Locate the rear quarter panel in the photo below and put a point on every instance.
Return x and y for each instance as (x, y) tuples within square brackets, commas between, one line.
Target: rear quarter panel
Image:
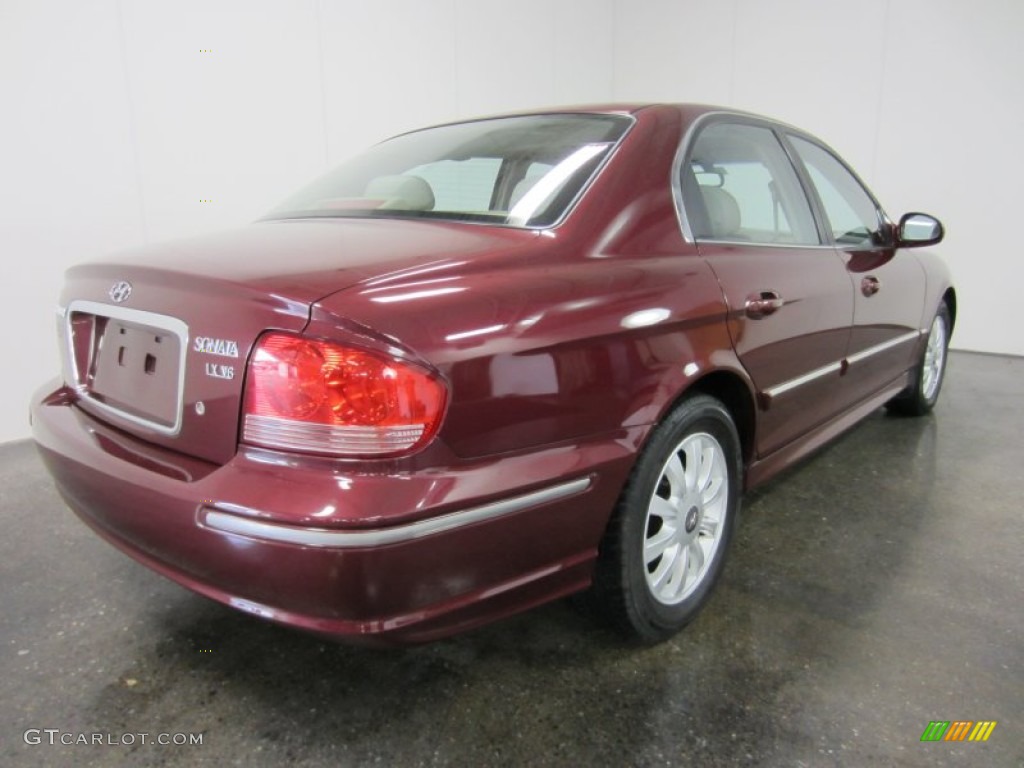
[(537, 355)]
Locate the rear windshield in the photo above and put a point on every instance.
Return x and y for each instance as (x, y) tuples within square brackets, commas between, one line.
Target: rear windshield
[(513, 171)]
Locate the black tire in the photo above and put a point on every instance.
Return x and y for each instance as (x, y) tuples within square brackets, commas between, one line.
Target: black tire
[(920, 397), (637, 594)]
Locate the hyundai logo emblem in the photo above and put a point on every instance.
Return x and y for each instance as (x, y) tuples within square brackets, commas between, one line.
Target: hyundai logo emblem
[(120, 291)]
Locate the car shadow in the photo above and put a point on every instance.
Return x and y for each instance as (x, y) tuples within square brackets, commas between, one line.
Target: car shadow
[(551, 684), (815, 553)]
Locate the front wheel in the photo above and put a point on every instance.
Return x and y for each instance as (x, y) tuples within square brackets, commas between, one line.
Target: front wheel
[(666, 543), (921, 396)]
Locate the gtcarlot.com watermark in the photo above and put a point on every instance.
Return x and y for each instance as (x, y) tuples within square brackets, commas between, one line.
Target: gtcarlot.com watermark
[(54, 736)]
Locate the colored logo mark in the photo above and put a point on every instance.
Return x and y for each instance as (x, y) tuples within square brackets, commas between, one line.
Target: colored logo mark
[(958, 730)]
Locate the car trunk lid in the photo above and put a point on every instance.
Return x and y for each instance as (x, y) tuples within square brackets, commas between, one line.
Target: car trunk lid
[(156, 343), (170, 369)]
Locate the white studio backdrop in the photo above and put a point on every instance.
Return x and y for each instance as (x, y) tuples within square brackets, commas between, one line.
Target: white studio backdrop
[(125, 122)]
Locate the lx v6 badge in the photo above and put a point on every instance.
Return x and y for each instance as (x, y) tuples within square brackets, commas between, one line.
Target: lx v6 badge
[(218, 371)]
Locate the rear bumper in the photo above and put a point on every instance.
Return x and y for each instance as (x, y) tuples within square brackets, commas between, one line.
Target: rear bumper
[(364, 552)]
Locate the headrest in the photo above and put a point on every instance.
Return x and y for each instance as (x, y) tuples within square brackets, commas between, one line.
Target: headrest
[(723, 211), (408, 193)]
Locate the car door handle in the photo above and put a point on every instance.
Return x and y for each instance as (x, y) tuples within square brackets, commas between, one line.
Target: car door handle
[(869, 286), (763, 303)]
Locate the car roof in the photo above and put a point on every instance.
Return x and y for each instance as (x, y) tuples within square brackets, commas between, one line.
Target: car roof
[(689, 111)]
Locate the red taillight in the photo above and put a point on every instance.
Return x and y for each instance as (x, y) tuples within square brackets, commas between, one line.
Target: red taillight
[(319, 397)]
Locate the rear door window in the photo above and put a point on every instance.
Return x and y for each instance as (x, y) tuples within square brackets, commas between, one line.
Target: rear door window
[(740, 186)]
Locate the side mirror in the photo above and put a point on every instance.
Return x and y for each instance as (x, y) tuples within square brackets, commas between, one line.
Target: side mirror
[(917, 229)]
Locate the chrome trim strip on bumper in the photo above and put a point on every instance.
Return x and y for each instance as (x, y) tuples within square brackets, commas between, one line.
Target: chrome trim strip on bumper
[(226, 522), (864, 354), (839, 365)]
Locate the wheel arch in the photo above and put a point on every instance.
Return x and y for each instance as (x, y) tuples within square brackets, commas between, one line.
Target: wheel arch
[(735, 394), (949, 299)]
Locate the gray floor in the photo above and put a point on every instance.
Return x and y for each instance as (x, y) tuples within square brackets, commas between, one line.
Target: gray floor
[(872, 590)]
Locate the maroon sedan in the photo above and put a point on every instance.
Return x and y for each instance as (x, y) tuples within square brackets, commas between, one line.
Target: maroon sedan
[(488, 364)]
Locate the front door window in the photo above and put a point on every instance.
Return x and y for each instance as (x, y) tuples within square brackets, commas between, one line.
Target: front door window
[(853, 217)]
